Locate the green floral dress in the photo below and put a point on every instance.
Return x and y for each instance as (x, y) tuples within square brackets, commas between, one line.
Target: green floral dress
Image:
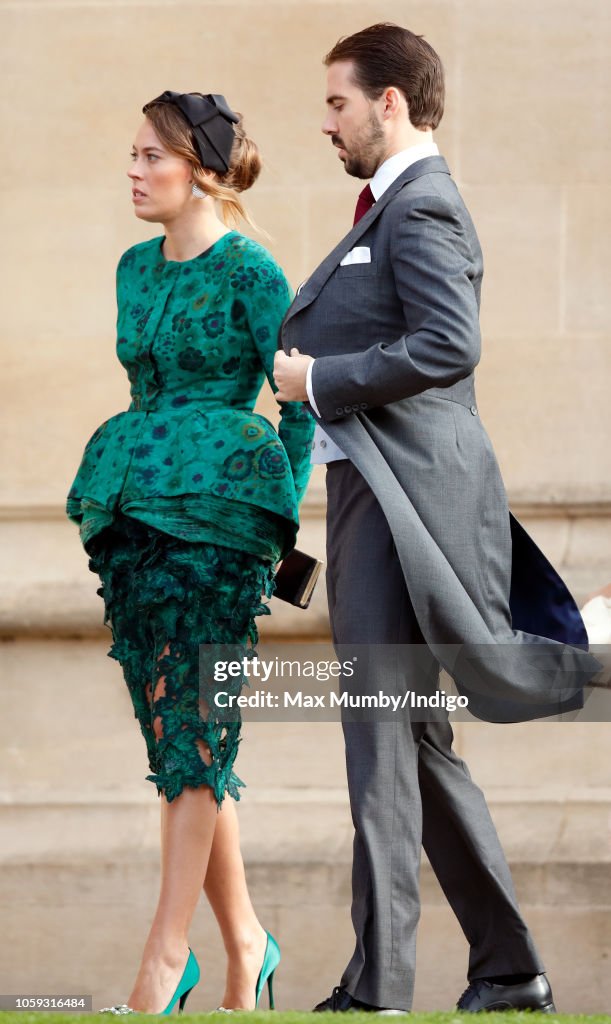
[(187, 499)]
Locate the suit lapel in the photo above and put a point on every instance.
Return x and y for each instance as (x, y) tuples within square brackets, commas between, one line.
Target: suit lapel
[(313, 285)]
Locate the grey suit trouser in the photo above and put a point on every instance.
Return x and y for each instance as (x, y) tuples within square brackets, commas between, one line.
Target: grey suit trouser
[(407, 787)]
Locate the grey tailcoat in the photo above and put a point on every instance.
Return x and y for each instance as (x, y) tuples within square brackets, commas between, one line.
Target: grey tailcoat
[(396, 341)]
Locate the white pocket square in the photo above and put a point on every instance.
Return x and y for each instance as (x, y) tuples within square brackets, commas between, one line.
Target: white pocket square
[(360, 254)]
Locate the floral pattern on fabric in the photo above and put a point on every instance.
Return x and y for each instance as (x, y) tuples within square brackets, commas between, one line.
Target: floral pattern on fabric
[(197, 339), (162, 593), (186, 500)]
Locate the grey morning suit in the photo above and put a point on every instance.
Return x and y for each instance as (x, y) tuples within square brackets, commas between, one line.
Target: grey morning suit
[(419, 549)]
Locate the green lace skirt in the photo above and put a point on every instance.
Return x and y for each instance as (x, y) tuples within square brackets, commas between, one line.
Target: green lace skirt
[(163, 597)]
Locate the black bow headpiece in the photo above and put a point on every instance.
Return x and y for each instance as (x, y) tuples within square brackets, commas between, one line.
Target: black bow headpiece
[(212, 121)]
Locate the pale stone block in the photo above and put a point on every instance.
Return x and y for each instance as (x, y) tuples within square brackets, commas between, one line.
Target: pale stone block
[(71, 720), (61, 277), (546, 826), (588, 256), (590, 544), (323, 934), (537, 754), (311, 755), (543, 401), (520, 229), (535, 89), (575, 948), (45, 583)]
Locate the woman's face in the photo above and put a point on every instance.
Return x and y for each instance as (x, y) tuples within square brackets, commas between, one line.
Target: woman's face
[(161, 181)]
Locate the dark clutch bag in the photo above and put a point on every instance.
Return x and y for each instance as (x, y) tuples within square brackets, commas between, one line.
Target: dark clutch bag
[(296, 578)]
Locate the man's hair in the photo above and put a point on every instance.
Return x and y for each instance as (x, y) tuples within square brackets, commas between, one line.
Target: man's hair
[(385, 55)]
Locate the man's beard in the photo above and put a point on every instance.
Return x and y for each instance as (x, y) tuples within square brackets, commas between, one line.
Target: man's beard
[(364, 158)]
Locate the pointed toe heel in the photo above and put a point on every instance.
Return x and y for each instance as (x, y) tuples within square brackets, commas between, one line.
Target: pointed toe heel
[(188, 981)]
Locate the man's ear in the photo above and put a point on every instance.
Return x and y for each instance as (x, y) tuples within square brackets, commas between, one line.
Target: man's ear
[(394, 101)]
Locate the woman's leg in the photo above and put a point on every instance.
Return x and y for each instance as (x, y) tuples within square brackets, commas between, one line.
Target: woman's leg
[(143, 610), (200, 845), (225, 886), (187, 829)]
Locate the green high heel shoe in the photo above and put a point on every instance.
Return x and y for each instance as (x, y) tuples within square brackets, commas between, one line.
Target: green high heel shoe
[(189, 979), (270, 962)]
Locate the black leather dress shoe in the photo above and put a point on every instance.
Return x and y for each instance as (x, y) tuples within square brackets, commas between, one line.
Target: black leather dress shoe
[(482, 994), (340, 1001)]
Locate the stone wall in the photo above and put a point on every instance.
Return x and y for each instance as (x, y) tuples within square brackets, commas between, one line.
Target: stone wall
[(525, 133), (526, 136)]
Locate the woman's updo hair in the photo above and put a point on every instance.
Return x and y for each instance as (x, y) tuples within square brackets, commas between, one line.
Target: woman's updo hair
[(244, 163)]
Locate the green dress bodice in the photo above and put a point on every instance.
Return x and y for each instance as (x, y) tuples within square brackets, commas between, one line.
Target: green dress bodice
[(189, 456)]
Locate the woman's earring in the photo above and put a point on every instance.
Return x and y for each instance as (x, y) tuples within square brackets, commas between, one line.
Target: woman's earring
[(197, 192)]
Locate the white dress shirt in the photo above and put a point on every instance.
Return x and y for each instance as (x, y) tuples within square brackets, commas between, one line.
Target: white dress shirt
[(323, 448)]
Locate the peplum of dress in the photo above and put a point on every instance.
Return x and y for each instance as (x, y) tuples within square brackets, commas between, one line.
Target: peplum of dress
[(187, 500)]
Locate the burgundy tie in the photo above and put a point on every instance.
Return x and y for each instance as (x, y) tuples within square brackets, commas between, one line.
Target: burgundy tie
[(364, 202)]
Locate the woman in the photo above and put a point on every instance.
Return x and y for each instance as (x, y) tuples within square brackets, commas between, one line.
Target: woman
[(185, 503)]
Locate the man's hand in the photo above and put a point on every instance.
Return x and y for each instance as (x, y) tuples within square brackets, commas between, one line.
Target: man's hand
[(290, 375)]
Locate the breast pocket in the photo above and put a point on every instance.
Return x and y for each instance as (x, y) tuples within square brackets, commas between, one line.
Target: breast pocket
[(358, 270)]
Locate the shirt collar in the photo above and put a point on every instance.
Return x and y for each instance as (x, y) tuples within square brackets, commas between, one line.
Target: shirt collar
[(395, 165)]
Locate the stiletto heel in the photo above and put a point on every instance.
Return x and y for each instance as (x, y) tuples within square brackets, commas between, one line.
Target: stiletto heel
[(270, 991), (270, 962), (183, 999)]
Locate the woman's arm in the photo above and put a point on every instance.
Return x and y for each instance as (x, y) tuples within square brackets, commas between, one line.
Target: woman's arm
[(267, 303)]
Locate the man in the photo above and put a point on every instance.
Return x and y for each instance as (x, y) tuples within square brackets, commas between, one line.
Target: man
[(419, 536)]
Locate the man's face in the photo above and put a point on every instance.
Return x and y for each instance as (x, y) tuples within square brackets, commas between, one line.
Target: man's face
[(353, 122)]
